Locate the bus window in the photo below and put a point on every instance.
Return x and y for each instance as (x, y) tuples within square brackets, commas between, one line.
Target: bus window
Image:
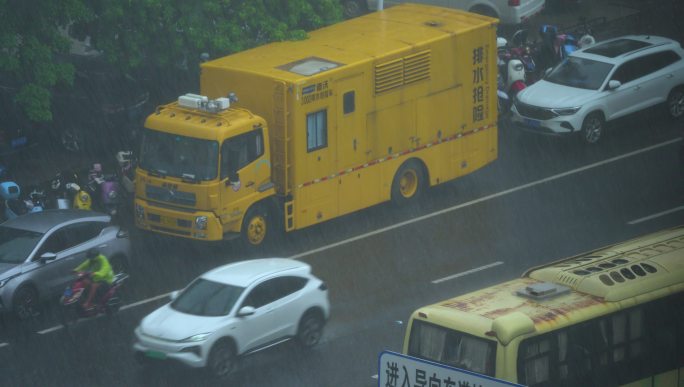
[(458, 349)]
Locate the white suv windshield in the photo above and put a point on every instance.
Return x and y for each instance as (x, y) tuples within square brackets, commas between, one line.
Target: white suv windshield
[(207, 298), (580, 72)]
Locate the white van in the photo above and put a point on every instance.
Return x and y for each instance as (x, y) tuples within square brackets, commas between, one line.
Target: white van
[(510, 12)]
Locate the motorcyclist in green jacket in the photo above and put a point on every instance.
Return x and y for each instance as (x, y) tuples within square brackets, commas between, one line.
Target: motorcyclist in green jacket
[(101, 274)]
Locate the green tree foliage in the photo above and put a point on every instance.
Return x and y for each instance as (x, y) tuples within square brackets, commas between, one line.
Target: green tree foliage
[(29, 42), (157, 36)]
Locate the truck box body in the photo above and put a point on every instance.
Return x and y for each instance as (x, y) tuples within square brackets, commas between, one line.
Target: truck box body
[(413, 76)]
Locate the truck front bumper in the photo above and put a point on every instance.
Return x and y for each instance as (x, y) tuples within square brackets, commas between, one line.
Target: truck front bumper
[(202, 225)]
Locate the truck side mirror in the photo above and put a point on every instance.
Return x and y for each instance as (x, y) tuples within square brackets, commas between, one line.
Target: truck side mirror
[(233, 176)]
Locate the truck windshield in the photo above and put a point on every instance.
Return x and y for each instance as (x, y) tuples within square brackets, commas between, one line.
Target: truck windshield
[(173, 155), (442, 345)]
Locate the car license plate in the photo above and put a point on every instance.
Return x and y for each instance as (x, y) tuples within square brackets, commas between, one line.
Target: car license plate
[(67, 292), (165, 220), (532, 123), (155, 355)]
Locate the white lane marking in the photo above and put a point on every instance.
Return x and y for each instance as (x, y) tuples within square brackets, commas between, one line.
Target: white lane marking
[(145, 301), (471, 271), (4, 345), (659, 214), (52, 329), (374, 377), (488, 197)]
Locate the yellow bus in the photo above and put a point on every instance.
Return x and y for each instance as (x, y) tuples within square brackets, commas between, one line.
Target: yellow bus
[(609, 317)]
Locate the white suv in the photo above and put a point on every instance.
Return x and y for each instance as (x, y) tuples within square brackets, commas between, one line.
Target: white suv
[(603, 82), (507, 11), (234, 310)]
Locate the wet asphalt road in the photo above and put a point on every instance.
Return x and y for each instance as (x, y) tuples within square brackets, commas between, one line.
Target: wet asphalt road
[(542, 200)]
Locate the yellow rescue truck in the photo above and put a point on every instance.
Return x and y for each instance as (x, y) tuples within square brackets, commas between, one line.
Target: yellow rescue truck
[(291, 134)]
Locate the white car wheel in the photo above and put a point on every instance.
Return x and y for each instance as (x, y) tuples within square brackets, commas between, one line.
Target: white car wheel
[(592, 128), (675, 103)]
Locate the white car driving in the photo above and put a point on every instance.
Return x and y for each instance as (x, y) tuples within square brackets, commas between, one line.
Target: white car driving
[(603, 82), (234, 310)]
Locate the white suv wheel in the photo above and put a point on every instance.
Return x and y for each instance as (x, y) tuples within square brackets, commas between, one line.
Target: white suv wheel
[(675, 103)]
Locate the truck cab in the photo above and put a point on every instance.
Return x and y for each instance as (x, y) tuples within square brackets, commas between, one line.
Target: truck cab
[(202, 163)]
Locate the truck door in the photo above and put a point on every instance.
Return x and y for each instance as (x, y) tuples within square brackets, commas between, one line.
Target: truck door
[(244, 168), (351, 142)]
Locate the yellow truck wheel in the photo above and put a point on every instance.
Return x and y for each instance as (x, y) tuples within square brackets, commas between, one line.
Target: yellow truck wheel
[(257, 226), (408, 183)]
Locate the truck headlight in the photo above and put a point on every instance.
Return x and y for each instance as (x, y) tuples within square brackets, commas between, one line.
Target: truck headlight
[(566, 111), (201, 222)]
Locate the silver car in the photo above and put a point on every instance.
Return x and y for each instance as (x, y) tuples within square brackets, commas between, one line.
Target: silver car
[(38, 252)]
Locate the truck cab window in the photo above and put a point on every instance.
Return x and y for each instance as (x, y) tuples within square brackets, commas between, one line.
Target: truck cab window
[(316, 130), (241, 150)]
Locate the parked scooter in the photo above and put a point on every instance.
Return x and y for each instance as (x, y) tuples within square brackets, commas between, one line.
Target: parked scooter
[(511, 78), (72, 299), (13, 204), (59, 195)]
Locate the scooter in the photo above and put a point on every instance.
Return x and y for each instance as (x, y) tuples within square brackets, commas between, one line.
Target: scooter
[(126, 172), (60, 193), (14, 206), (71, 301), (110, 194), (81, 198)]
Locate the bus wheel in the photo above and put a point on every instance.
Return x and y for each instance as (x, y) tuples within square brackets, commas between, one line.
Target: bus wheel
[(257, 226), (408, 183)]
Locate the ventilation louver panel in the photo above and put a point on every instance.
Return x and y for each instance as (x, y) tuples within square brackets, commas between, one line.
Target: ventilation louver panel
[(403, 71)]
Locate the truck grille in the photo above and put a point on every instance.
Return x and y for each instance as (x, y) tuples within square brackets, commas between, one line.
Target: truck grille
[(535, 112), (154, 192)]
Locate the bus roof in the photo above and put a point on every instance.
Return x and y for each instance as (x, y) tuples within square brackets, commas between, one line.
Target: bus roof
[(357, 40), (569, 290)]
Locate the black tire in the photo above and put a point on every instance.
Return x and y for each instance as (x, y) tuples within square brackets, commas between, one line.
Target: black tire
[(675, 103), (258, 227), (222, 359), (593, 127), (310, 329), (25, 303), (408, 183), (354, 8)]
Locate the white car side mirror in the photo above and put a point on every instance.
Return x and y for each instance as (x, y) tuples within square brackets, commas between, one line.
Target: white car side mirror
[(246, 311), (613, 84)]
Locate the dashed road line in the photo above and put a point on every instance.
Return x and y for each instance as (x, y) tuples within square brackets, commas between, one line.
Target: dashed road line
[(659, 214), (471, 271)]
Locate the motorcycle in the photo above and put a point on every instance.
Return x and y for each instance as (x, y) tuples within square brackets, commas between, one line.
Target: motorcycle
[(60, 192), (71, 301), (81, 198), (556, 45), (110, 194), (126, 172), (14, 205), (511, 77)]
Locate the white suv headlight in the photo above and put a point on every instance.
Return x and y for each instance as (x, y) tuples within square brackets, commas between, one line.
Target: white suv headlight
[(196, 338), (566, 111)]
